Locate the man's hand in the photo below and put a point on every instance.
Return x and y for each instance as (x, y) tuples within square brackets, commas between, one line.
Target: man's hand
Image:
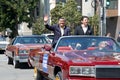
[(45, 19)]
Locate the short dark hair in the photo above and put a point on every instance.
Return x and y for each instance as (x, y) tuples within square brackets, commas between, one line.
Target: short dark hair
[(83, 17), (62, 18)]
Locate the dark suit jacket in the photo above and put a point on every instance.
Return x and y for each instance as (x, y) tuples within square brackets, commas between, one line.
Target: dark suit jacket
[(79, 31), (57, 32)]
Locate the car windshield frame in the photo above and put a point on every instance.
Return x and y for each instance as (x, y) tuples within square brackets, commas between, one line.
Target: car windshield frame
[(86, 42), (2, 39)]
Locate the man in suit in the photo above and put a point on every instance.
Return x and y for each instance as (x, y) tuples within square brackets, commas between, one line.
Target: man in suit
[(59, 29), (84, 28)]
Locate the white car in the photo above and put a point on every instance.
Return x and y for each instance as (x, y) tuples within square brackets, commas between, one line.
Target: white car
[(49, 35), (3, 44)]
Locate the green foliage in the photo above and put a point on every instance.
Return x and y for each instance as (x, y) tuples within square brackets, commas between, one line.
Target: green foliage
[(2, 29), (94, 22), (71, 13), (56, 13), (38, 26), (68, 11), (13, 12)]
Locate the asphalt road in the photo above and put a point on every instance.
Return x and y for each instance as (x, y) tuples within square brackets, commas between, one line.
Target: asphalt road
[(8, 72)]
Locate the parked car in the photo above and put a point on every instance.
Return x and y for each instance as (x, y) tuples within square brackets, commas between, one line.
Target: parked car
[(49, 35), (3, 44), (17, 51), (78, 58)]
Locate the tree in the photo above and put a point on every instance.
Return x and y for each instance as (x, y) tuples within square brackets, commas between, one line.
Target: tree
[(14, 12), (38, 26), (94, 22), (69, 11), (73, 15), (56, 13)]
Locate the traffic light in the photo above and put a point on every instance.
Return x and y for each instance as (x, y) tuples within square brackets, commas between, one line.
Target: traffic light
[(107, 3)]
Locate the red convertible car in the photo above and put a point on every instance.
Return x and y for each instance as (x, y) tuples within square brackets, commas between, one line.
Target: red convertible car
[(17, 51), (78, 58)]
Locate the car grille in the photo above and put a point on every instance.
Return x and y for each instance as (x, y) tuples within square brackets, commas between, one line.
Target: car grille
[(108, 72), (3, 46), (23, 57), (32, 49)]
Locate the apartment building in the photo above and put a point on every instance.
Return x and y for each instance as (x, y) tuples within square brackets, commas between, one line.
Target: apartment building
[(113, 18)]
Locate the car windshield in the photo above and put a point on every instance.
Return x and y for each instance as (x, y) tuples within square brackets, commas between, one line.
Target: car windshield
[(88, 43), (31, 40), (2, 39), (50, 36)]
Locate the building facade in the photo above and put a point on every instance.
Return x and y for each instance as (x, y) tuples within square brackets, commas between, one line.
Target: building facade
[(113, 18), (23, 29), (88, 8)]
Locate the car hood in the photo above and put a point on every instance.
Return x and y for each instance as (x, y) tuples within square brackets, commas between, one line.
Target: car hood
[(91, 56)]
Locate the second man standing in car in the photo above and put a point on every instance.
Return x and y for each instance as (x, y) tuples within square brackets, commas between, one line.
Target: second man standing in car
[(84, 28)]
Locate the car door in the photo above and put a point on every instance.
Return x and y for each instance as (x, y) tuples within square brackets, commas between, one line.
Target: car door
[(11, 48)]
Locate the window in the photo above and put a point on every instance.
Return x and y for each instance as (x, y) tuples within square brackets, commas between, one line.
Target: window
[(113, 4)]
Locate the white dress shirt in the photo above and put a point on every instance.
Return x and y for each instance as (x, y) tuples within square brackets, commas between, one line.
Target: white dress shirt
[(62, 31)]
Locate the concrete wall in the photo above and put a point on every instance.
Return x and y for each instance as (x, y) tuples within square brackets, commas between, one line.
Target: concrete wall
[(87, 8), (52, 4), (24, 30)]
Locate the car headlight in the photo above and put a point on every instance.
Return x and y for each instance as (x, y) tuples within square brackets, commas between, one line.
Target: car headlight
[(23, 51), (82, 71)]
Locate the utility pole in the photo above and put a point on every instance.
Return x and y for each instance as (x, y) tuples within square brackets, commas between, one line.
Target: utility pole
[(102, 16)]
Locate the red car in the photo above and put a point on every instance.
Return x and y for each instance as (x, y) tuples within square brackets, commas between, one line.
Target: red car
[(17, 51), (78, 58)]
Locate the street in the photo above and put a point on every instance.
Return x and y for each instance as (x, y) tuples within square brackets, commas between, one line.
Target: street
[(8, 72)]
